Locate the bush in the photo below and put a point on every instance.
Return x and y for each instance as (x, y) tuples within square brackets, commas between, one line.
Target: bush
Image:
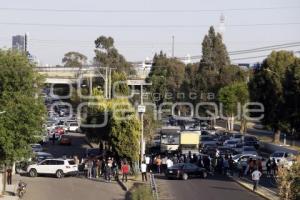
[(142, 192)]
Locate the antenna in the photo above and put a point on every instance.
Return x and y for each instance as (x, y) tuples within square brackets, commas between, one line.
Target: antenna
[(173, 40), (222, 25)]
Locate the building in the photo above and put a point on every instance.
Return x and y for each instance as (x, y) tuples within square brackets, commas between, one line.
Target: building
[(18, 43), (142, 68)]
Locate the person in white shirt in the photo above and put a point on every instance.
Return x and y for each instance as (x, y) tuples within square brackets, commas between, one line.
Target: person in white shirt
[(147, 160), (144, 171), (169, 163), (255, 178)]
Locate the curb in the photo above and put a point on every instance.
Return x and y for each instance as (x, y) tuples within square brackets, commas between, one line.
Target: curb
[(122, 185), (258, 191)]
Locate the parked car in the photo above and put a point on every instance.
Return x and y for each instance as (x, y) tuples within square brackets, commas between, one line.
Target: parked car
[(282, 157), (65, 140), (73, 127), (207, 139), (57, 167), (36, 147), (40, 156), (222, 151), (231, 143), (93, 152), (251, 141), (185, 170), (249, 150), (243, 159)]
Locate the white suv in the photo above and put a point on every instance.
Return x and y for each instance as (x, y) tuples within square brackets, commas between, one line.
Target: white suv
[(58, 167)]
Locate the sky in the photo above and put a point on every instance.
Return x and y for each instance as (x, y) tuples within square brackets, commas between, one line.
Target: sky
[(142, 27)]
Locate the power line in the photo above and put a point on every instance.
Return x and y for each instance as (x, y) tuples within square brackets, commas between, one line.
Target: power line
[(255, 50), (142, 25), (145, 11)]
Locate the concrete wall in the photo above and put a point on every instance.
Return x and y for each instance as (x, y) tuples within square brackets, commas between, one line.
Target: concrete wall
[(270, 148)]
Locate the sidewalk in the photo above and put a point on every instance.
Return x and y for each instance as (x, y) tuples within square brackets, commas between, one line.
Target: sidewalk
[(261, 190), (6, 197)]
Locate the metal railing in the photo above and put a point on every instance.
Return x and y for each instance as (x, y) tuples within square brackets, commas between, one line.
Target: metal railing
[(153, 186)]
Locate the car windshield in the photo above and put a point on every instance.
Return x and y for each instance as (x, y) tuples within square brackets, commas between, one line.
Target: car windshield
[(36, 146)]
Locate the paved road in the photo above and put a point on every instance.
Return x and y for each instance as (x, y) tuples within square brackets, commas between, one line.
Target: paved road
[(70, 188), (213, 188)]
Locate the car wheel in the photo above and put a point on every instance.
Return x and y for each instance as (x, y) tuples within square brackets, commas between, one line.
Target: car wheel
[(59, 174), (185, 176), (204, 175), (32, 173)]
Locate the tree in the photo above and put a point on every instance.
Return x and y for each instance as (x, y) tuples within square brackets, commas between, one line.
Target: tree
[(214, 53), (230, 97), (24, 111), (121, 133), (267, 87), (166, 76), (291, 95), (74, 59), (108, 56)]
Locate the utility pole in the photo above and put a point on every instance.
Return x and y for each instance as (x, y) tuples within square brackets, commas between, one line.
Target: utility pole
[(173, 43), (110, 83), (141, 110), (106, 83)]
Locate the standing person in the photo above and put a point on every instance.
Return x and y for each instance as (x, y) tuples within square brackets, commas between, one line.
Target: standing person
[(89, 168), (108, 170), (9, 176), (169, 163), (259, 165), (147, 160), (256, 174), (124, 170), (231, 165), (53, 138), (268, 166), (76, 160), (274, 167), (144, 171), (225, 166), (98, 168), (158, 164)]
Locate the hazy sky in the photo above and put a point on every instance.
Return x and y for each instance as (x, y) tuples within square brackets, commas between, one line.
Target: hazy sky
[(164, 18)]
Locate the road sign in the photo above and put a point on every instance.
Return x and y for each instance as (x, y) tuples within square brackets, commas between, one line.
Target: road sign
[(141, 109)]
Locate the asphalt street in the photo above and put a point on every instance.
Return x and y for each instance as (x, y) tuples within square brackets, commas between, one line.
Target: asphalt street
[(213, 188), (69, 188)]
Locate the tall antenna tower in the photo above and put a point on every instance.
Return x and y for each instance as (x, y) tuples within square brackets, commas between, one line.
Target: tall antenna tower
[(222, 25)]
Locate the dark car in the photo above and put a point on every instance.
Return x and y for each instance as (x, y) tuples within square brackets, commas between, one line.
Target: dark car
[(222, 151), (251, 141), (93, 152), (185, 170)]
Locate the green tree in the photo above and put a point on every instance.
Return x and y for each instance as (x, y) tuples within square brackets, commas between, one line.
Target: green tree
[(24, 111), (107, 55), (230, 97), (166, 76), (267, 87), (291, 95), (74, 59)]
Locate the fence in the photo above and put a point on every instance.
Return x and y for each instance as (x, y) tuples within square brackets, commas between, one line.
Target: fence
[(153, 186)]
